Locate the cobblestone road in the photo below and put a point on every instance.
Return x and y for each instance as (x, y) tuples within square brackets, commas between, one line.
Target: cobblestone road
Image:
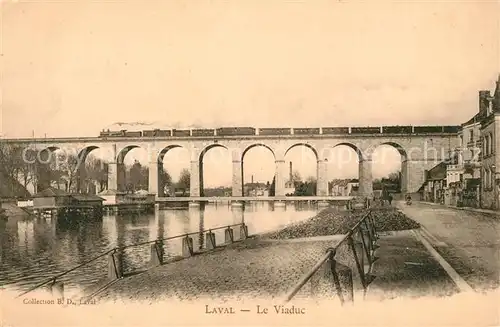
[(251, 269)]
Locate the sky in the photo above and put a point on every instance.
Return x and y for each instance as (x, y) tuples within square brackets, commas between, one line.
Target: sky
[(71, 68)]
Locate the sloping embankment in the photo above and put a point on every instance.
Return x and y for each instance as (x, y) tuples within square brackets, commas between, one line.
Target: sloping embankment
[(331, 221), (11, 210)]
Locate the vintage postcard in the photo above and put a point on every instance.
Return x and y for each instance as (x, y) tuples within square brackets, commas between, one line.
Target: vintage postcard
[(249, 163)]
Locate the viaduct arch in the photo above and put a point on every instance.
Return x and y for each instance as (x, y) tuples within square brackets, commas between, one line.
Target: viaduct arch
[(419, 152)]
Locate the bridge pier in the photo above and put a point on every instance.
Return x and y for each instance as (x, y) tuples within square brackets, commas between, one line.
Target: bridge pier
[(237, 178), (153, 178), (112, 176), (323, 204), (279, 204), (237, 204), (194, 186), (322, 182), (194, 204), (412, 173), (365, 178), (279, 179)]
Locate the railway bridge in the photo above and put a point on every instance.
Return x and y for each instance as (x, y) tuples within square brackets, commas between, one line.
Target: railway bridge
[(420, 147)]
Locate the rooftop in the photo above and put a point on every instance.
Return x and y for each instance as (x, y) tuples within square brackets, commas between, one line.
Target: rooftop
[(51, 192), (86, 197), (111, 192)]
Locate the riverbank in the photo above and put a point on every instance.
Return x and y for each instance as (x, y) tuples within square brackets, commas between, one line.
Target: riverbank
[(333, 221), (265, 266)]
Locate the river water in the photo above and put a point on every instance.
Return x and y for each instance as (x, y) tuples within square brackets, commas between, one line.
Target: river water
[(35, 249)]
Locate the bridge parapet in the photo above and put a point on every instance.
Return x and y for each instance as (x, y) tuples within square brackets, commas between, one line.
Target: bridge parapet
[(249, 133)]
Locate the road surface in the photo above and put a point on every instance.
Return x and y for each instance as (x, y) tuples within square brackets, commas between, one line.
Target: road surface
[(468, 241)]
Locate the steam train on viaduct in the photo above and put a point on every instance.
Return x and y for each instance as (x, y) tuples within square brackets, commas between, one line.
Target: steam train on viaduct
[(248, 131)]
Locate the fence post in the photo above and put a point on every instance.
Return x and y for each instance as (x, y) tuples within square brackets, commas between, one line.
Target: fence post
[(373, 236), (210, 240), (229, 235), (115, 267), (243, 232), (187, 246), (57, 289), (345, 284), (156, 258), (365, 251), (359, 263)]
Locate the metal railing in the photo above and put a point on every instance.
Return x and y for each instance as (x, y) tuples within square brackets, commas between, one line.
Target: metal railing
[(56, 277), (361, 240), (115, 269)]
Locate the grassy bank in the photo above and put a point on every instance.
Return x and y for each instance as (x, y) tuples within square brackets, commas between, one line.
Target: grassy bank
[(332, 221)]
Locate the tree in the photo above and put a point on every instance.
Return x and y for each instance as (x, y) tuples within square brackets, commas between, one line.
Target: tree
[(311, 185), (64, 170), (96, 171), (15, 168), (307, 188), (137, 177), (377, 184), (296, 178), (184, 182), (393, 181), (164, 178), (272, 187), (395, 176)]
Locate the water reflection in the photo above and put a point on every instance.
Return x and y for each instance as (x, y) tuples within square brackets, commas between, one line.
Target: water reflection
[(35, 249)]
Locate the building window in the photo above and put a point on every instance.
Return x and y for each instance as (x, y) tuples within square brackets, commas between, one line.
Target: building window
[(491, 144), (489, 179), (461, 139), (471, 135), (486, 179)]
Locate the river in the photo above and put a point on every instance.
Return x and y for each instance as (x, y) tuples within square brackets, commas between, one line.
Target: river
[(35, 249)]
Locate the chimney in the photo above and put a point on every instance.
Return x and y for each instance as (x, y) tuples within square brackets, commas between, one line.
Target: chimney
[(483, 101), (252, 179), (290, 171), (496, 96)]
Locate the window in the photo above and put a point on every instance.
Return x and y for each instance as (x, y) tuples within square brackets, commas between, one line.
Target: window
[(491, 145), (486, 179), (471, 135), (461, 140)]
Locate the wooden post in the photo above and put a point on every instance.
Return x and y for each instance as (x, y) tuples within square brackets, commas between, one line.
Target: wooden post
[(57, 289), (187, 247), (243, 232), (210, 240), (342, 278), (115, 268), (229, 235), (156, 258), (357, 254)]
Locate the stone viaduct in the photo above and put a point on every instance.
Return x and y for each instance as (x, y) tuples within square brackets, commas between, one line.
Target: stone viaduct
[(419, 151)]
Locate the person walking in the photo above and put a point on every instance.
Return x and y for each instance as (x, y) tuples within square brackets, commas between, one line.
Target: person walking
[(389, 198)]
